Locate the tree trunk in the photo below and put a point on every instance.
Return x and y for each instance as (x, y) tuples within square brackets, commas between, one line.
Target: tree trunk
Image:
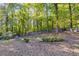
[(70, 10), (56, 10), (52, 25), (12, 22), (41, 25), (76, 29), (47, 17), (6, 23)]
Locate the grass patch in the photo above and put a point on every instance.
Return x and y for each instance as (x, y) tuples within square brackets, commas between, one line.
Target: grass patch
[(52, 39)]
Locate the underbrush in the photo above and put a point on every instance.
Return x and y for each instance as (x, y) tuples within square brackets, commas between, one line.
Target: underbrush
[(26, 40), (7, 36), (43, 38), (52, 39)]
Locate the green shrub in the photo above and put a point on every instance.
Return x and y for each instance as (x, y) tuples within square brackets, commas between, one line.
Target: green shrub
[(7, 35), (0, 33), (52, 39), (26, 40), (1, 37), (47, 39), (5, 38)]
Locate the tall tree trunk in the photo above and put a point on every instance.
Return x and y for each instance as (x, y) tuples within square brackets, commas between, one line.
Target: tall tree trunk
[(56, 11), (6, 17), (12, 21), (27, 22), (47, 17), (76, 24), (70, 10), (37, 22)]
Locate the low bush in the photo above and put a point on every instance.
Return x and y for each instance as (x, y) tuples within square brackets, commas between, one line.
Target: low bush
[(7, 35), (26, 40), (52, 39), (0, 33)]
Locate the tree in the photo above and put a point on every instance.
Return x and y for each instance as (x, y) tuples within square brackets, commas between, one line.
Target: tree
[(27, 17), (56, 8), (70, 17)]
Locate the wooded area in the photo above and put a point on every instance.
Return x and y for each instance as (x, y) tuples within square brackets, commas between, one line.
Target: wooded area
[(39, 29), (38, 17)]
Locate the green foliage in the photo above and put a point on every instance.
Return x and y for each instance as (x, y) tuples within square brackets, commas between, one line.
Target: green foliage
[(26, 40), (7, 35), (52, 39), (0, 33), (27, 17)]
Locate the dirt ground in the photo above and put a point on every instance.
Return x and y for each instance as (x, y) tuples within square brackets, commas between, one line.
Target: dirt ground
[(69, 47)]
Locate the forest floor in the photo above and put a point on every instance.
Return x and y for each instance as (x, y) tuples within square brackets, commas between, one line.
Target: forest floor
[(69, 47)]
